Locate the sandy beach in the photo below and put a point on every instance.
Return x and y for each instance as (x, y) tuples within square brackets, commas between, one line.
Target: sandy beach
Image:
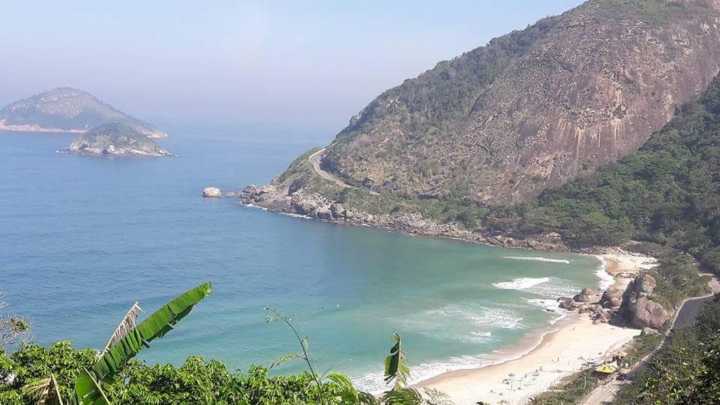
[(570, 346)]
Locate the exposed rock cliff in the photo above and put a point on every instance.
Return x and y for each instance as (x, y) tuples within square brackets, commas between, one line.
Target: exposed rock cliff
[(116, 139), (531, 110), (67, 110)]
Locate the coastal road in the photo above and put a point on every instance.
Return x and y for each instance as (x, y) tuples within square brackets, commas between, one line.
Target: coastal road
[(315, 160)]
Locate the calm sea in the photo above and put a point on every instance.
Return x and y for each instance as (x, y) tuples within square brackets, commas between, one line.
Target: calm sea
[(81, 239)]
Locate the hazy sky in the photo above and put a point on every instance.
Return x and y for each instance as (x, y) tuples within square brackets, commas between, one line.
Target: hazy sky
[(310, 64)]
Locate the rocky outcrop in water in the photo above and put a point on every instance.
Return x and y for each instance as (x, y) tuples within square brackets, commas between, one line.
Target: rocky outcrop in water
[(116, 139), (212, 192)]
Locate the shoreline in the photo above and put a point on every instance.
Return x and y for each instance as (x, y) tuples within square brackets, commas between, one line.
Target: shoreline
[(544, 358)]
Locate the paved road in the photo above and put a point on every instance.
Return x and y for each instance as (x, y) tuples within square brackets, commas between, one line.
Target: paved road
[(316, 158), (687, 314)]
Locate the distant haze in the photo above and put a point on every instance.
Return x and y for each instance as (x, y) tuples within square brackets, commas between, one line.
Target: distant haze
[(288, 64)]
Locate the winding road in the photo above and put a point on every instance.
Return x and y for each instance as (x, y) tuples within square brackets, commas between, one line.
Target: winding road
[(316, 159)]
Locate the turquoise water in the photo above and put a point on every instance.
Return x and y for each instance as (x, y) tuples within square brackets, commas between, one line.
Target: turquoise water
[(83, 238)]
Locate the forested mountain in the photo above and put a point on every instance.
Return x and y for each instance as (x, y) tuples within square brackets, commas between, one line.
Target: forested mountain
[(65, 109), (537, 107)]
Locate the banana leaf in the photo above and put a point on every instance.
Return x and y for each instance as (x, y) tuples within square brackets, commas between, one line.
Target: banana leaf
[(156, 325), (126, 325), (88, 391), (395, 366)]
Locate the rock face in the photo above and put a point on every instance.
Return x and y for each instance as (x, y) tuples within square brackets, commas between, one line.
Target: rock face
[(67, 110), (638, 307), (212, 192), (612, 298), (116, 139), (535, 108), (587, 295)]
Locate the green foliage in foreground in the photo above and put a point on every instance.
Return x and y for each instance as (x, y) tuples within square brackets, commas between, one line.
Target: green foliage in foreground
[(39, 375), (195, 382), (687, 368), (668, 193)]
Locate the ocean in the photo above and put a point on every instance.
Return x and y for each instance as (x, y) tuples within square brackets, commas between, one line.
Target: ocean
[(83, 238)]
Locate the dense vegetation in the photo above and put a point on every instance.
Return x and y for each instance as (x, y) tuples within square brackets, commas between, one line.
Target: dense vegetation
[(686, 370), (667, 193), (195, 382)]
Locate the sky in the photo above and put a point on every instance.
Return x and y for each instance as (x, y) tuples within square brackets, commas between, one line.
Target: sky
[(306, 64)]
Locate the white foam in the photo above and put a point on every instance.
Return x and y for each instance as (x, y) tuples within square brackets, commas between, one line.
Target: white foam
[(289, 214), (537, 259), (256, 206), (606, 279), (480, 319), (374, 383), (549, 305), (522, 283), (456, 323)]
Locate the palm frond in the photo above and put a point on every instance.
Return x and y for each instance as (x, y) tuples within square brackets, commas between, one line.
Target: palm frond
[(124, 327), (348, 393), (44, 391), (402, 396)]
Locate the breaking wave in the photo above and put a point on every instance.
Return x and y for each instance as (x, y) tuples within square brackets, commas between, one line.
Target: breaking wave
[(537, 259), (522, 283)]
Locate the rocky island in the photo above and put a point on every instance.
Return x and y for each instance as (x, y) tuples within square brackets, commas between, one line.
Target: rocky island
[(116, 139), (66, 109)]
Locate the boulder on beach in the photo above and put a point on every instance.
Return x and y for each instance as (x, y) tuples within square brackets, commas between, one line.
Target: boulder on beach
[(211, 192), (587, 295), (638, 306), (612, 298)]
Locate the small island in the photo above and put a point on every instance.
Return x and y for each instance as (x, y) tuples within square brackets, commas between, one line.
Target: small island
[(116, 139)]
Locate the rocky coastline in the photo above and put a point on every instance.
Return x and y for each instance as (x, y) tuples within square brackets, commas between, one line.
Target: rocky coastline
[(317, 206)]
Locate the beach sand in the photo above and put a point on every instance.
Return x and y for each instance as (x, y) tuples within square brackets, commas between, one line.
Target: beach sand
[(572, 345)]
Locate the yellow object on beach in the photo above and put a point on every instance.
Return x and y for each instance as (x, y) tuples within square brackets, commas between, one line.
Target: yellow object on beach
[(606, 368)]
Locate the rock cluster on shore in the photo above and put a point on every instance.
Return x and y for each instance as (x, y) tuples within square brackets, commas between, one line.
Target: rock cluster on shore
[(633, 306), (588, 301)]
